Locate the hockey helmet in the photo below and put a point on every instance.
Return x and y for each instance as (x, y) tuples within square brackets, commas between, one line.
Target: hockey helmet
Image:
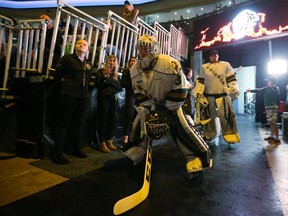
[(149, 42)]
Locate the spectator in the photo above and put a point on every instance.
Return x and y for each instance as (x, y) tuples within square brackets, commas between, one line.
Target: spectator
[(75, 71), (189, 105), (130, 13), (52, 91), (232, 2), (271, 96), (107, 83), (62, 26), (129, 99), (48, 41), (110, 49)]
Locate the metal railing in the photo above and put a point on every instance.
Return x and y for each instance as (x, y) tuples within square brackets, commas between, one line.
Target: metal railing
[(30, 47), (183, 44), (122, 38), (114, 36), (164, 38), (85, 27), (6, 28)]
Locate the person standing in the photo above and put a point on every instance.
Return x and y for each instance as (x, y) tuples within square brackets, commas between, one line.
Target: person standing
[(48, 41), (52, 92), (271, 96), (72, 75), (108, 84), (217, 82), (129, 99), (161, 87)]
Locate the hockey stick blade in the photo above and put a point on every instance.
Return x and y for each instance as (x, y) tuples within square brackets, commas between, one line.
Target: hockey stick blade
[(135, 199)]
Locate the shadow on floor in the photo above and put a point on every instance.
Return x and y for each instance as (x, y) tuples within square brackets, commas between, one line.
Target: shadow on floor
[(239, 183)]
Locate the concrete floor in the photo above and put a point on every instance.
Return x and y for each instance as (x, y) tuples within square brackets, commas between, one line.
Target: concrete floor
[(278, 159), (19, 179)]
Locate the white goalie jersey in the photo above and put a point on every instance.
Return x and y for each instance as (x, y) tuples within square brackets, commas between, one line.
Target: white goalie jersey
[(217, 77), (163, 84)]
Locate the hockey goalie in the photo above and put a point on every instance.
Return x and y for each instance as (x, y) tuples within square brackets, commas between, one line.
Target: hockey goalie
[(161, 87), (217, 83)]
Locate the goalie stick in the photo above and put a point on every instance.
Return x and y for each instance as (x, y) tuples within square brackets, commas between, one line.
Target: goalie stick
[(135, 199)]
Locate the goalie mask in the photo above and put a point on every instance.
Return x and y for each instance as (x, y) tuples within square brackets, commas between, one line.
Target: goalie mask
[(148, 49)]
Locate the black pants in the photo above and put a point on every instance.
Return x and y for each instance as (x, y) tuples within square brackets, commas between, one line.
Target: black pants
[(106, 115), (128, 113), (70, 116)]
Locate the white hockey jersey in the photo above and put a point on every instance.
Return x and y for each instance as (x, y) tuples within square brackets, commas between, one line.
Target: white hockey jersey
[(165, 84), (216, 76)]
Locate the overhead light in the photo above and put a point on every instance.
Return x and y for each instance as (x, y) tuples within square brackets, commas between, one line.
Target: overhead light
[(277, 67), (53, 3)]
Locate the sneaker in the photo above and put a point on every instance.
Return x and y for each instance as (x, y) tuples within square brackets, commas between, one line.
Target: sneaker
[(268, 138), (275, 142)]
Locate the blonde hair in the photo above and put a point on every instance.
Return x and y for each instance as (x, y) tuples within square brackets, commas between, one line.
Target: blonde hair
[(116, 67)]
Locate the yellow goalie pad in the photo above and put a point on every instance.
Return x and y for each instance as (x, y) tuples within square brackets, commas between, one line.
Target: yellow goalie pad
[(195, 165), (199, 89), (232, 138)]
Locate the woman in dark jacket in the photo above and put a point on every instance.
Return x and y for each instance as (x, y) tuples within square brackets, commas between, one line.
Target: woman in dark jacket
[(107, 83), (72, 75)]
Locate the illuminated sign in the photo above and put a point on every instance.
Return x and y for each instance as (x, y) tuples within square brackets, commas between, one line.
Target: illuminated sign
[(246, 24)]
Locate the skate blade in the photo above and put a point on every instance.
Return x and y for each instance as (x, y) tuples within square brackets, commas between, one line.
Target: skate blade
[(194, 175)]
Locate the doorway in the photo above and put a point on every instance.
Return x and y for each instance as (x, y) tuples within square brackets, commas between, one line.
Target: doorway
[(246, 77)]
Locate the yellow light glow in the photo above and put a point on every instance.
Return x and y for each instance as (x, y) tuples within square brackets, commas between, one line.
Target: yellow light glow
[(277, 67), (246, 24)]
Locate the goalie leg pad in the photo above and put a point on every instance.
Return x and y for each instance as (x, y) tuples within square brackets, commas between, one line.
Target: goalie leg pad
[(137, 153), (190, 140), (232, 138), (188, 133), (195, 165), (228, 121)]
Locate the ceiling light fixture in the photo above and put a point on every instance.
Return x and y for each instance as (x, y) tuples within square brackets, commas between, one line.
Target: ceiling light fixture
[(53, 3)]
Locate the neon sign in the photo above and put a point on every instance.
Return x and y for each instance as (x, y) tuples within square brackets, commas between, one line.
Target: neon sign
[(246, 24)]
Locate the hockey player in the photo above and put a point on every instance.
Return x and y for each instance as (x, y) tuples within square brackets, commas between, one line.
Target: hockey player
[(217, 82), (161, 87)]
